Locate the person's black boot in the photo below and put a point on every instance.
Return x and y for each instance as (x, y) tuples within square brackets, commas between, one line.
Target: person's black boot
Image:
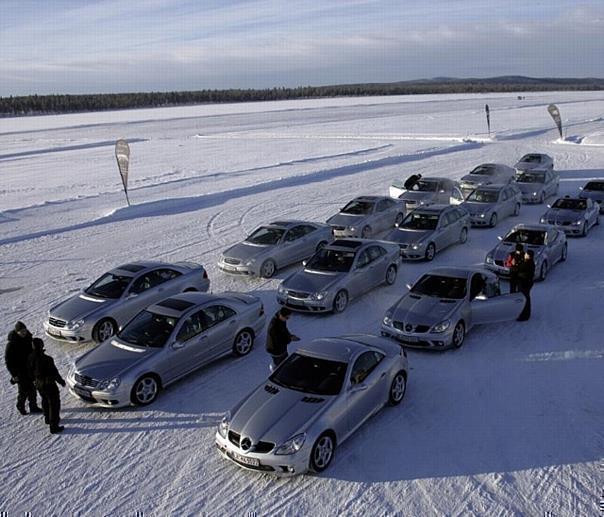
[(21, 409), (35, 409), (56, 430)]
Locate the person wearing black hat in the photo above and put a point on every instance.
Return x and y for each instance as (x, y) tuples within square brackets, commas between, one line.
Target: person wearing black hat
[(514, 262), (411, 180), (526, 276), (46, 376), (17, 351), (278, 336)]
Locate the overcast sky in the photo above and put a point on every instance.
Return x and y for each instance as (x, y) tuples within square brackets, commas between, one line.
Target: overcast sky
[(80, 46)]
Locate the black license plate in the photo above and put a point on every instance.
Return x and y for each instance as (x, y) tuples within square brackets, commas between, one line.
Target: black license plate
[(82, 392)]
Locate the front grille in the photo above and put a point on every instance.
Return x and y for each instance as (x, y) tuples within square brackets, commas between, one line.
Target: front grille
[(57, 323), (566, 223), (261, 447), (234, 438), (271, 389), (499, 263), (86, 381), (403, 246), (408, 327), (232, 261), (339, 228), (298, 295)]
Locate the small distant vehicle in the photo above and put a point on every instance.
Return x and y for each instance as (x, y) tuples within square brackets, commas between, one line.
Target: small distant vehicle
[(536, 185), (98, 311), (445, 303), (339, 272), (293, 422), (430, 229), (486, 174), (428, 191), (275, 246), (535, 161), (163, 343), (574, 216), (548, 243), (594, 190), (489, 204), (367, 216)]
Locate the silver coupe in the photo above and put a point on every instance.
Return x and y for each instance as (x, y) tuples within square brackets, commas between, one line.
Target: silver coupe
[(486, 174), (535, 161), (489, 204), (428, 191), (445, 303), (163, 343), (572, 215), (293, 422), (594, 190), (339, 272), (536, 185), (98, 311), (274, 246)]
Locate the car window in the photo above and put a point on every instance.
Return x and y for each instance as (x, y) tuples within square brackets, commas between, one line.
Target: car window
[(382, 205), (192, 326), (375, 252), (456, 194), (295, 233), (364, 259), (477, 286), (307, 228), (159, 276), (217, 313), (142, 283), (452, 216), (363, 366)]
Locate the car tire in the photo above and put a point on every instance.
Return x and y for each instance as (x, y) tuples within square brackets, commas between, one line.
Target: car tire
[(543, 271), (459, 334), (340, 301), (399, 219), (493, 220), (517, 209), (243, 342), (463, 236), (145, 390), (366, 232), (103, 330), (564, 254), (430, 252), (321, 245), (268, 268), (322, 452), (398, 388), (391, 274)]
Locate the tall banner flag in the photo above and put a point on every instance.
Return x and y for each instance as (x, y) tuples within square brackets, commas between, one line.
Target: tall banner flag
[(486, 109), (555, 113), (122, 155)]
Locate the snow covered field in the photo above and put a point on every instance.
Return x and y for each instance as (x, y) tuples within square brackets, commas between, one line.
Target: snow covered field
[(510, 424)]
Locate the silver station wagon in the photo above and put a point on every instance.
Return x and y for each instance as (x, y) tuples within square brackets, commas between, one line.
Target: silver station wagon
[(572, 215), (537, 185), (535, 161), (275, 246), (594, 190), (367, 216), (113, 299), (428, 191), (489, 204), (163, 343), (445, 303), (486, 174), (339, 272), (293, 422), (430, 229)]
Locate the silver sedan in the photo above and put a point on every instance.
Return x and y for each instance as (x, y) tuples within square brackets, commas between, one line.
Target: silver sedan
[(317, 398), (536, 185), (163, 343), (429, 230), (338, 273), (573, 216), (594, 190), (428, 191), (486, 174), (489, 204), (274, 246), (113, 299), (444, 304), (535, 161), (366, 216)]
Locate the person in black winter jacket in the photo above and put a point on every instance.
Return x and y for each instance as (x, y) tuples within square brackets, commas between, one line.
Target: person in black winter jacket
[(17, 351), (46, 376), (514, 262), (526, 276), (278, 336), (411, 180)]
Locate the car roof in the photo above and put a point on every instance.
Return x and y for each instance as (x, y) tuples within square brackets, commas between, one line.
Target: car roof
[(493, 186), (134, 268), (288, 223), (179, 304), (348, 244), (460, 272), (368, 198), (533, 226), (344, 348), (433, 209)]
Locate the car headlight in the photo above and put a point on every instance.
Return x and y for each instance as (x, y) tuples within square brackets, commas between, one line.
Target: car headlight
[(388, 321), (109, 384), (534, 194), (292, 445), (489, 259), (543, 220), (482, 215), (442, 326), (320, 295), (74, 325), (281, 290), (352, 228), (250, 262), (223, 427), (72, 371), (416, 245), (578, 223)]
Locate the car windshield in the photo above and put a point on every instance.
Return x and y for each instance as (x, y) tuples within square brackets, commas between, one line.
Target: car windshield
[(530, 177), (109, 286), (311, 375), (484, 196), (148, 329), (484, 170), (337, 261), (595, 185), (441, 286), (419, 221), (533, 237), (425, 186), (266, 235), (356, 207), (531, 158), (570, 204)]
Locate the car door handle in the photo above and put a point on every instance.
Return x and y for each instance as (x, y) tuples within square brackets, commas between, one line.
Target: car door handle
[(383, 375), (232, 322)]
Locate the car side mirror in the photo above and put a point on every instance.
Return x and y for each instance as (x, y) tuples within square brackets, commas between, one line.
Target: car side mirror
[(480, 297), (499, 237), (549, 206), (408, 286), (177, 345), (304, 262), (131, 295), (397, 224), (354, 388)]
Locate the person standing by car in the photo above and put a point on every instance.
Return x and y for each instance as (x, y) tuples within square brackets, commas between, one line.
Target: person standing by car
[(278, 336), (46, 376), (411, 180), (526, 276), (513, 262), (17, 351)]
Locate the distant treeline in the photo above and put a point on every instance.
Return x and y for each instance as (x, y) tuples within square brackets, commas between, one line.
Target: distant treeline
[(53, 104)]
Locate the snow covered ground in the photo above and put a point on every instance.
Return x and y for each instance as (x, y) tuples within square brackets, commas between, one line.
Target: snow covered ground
[(510, 424)]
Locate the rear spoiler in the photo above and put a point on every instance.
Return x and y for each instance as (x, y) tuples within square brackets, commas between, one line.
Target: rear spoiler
[(189, 264)]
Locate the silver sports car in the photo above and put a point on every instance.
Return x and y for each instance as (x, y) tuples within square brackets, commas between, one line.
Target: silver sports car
[(274, 246), (535, 161), (548, 243), (366, 216), (113, 299), (444, 304), (430, 229), (428, 191), (339, 272), (163, 343), (536, 185), (486, 174), (572, 215), (490, 204), (293, 422), (594, 190)]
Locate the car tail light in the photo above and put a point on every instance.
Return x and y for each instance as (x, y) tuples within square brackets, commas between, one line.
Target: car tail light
[(205, 274)]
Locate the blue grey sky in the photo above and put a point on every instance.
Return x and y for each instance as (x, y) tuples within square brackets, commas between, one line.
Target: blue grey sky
[(80, 46)]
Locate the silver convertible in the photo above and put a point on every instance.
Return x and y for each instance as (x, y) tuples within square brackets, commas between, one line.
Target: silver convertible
[(317, 398), (486, 174), (445, 303), (489, 204), (274, 246), (573, 216), (113, 299), (548, 243), (339, 272), (163, 343), (429, 229), (366, 216)]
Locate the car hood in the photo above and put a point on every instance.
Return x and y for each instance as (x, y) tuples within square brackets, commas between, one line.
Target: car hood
[(80, 306), (529, 188), (476, 179), (276, 417), (503, 250), (562, 215), (312, 281), (403, 236), (474, 208), (527, 166), (347, 219), (424, 310), (245, 251), (415, 196)]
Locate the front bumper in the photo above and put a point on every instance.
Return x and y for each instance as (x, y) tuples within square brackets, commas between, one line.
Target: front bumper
[(99, 398), (236, 269), (480, 221), (423, 340), (80, 335), (530, 199), (408, 253), (306, 304), (345, 233)]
